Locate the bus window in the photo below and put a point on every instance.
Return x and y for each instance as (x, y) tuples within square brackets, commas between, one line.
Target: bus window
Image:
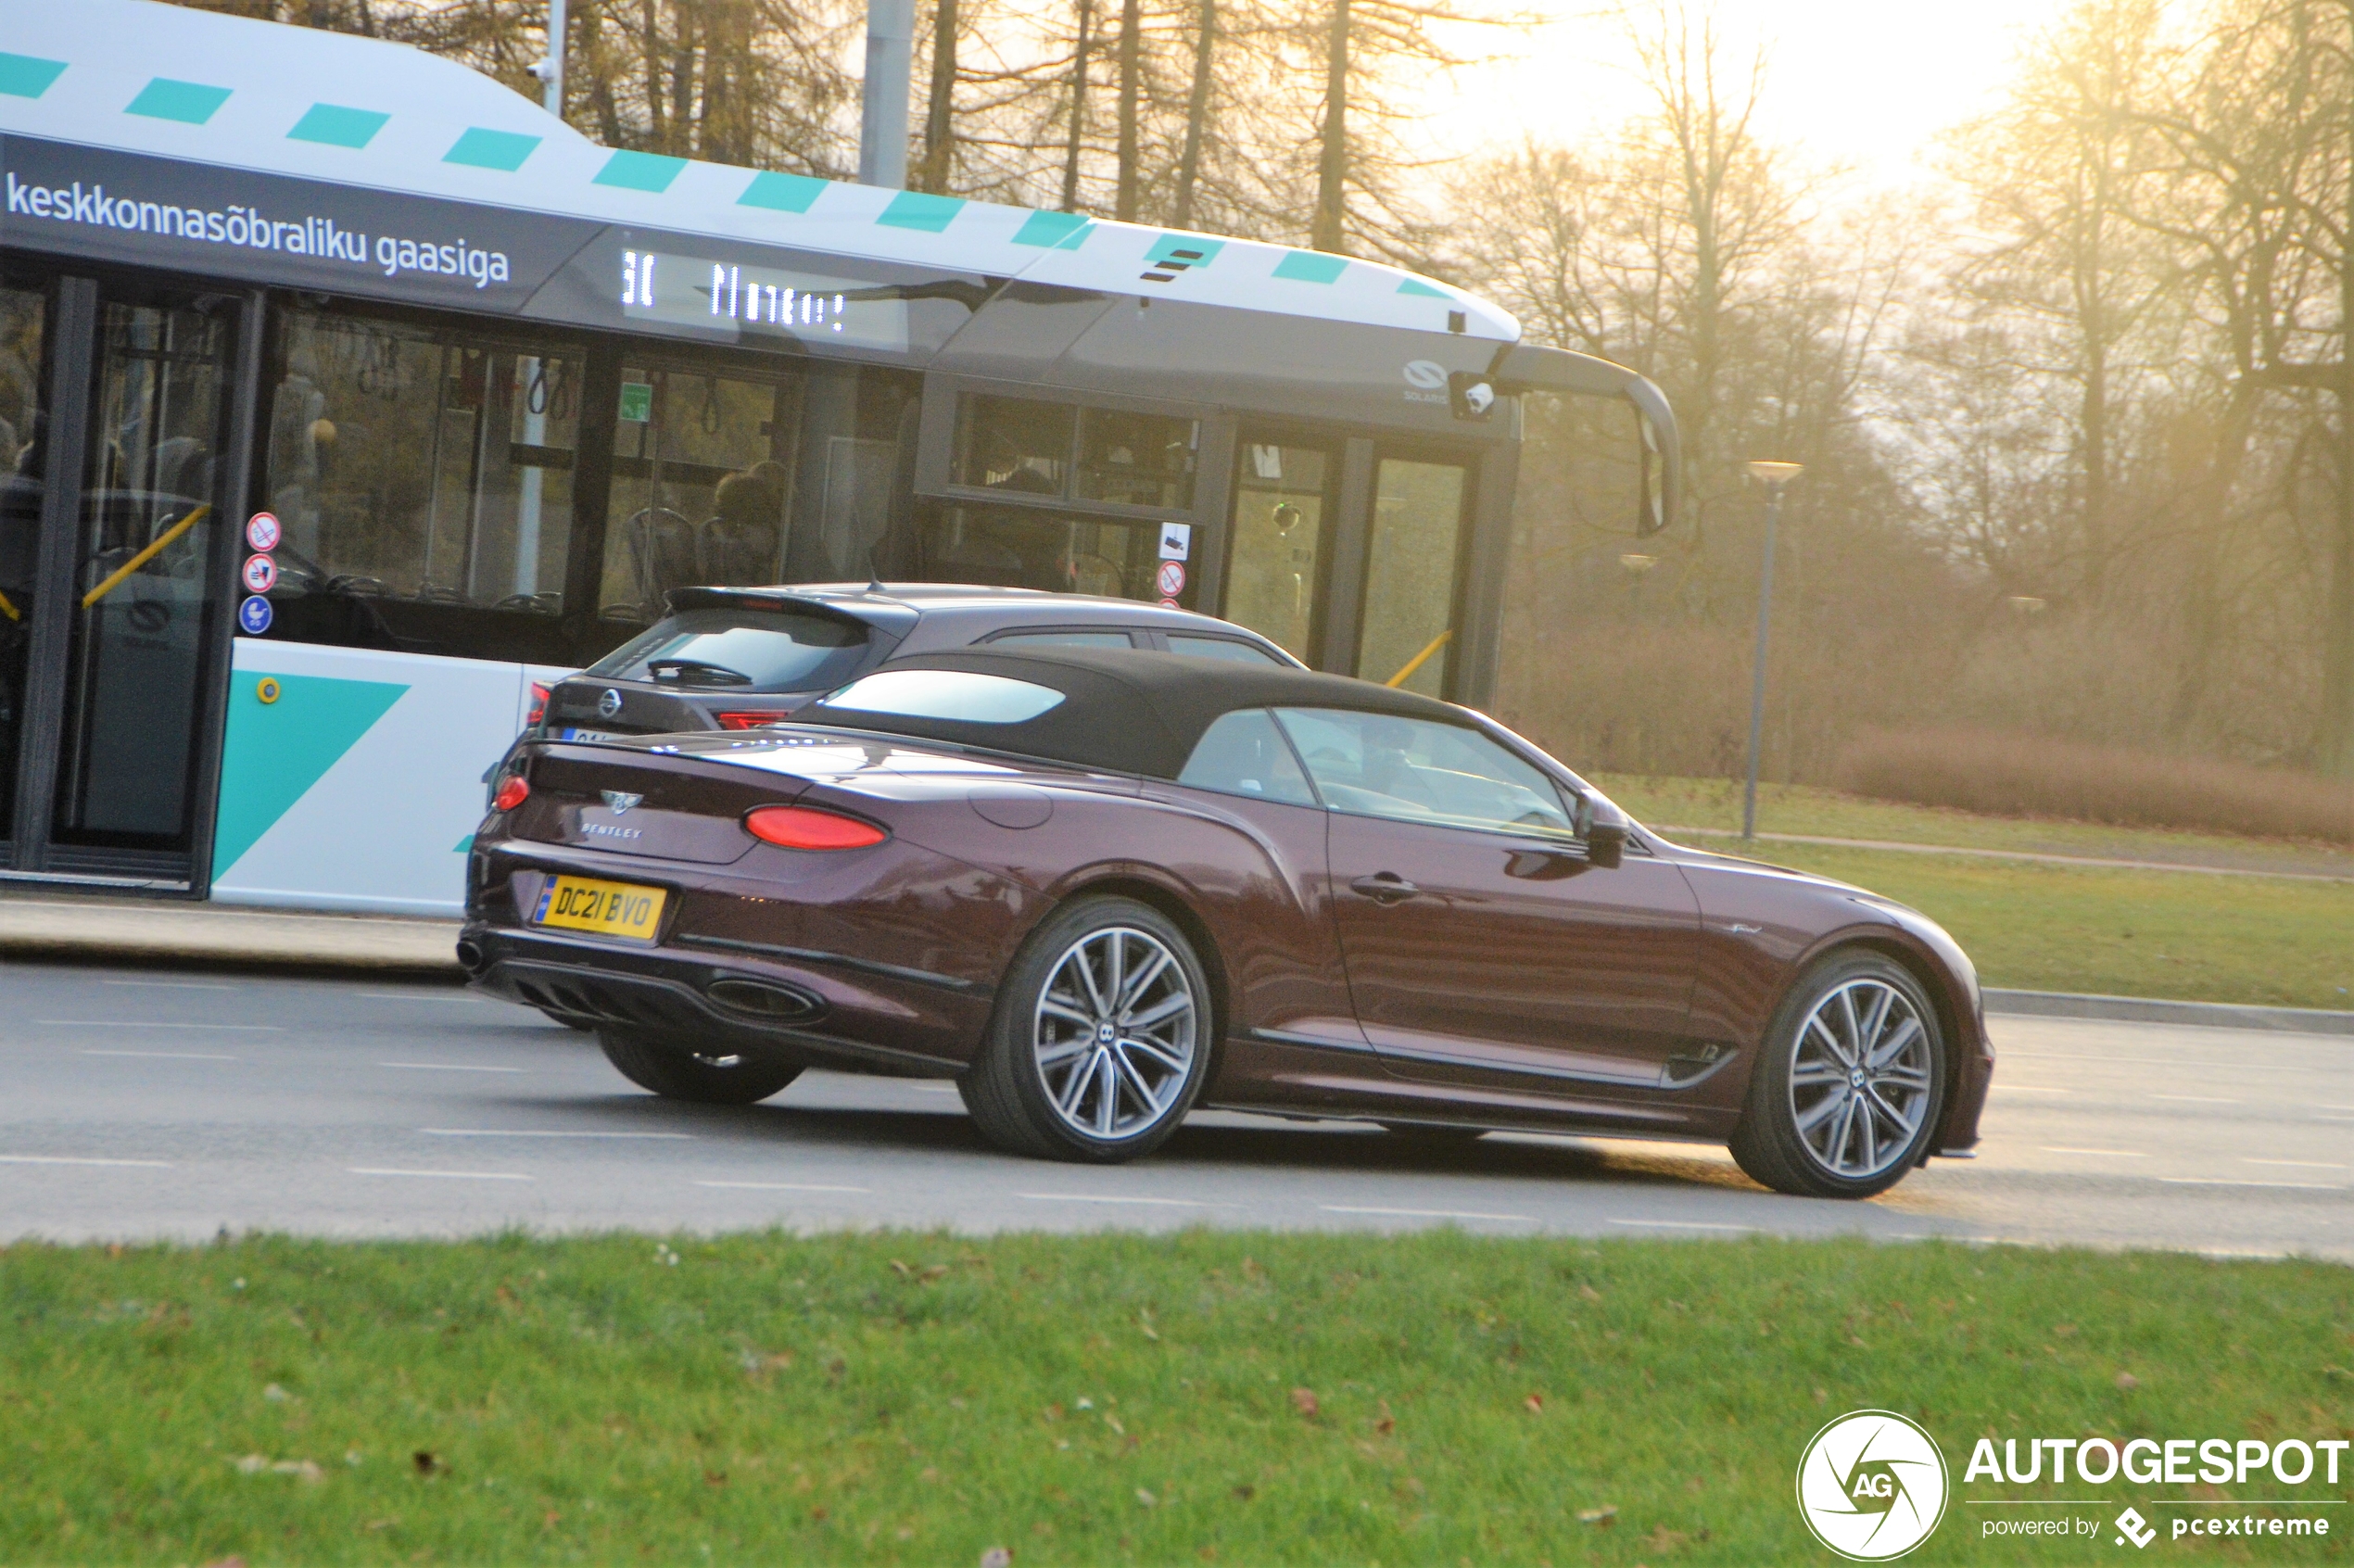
[(1108, 455), (1032, 548), (1273, 568), (703, 484), (424, 480), (1410, 561), (1137, 460)]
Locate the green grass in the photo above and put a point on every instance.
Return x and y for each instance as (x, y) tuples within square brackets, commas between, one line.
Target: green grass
[(2184, 936), (1111, 1399), (1799, 808), (2119, 933)]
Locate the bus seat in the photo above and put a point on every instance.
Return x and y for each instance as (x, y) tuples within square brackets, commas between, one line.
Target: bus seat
[(662, 552)]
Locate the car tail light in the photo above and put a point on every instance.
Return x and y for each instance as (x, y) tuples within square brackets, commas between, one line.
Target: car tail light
[(538, 705), (513, 791), (805, 828), (749, 721)]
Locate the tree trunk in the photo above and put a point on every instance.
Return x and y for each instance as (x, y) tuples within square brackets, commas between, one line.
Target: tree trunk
[(1329, 232), (2337, 645), (1131, 24), (650, 46), (940, 126), (1078, 106), (1197, 115)]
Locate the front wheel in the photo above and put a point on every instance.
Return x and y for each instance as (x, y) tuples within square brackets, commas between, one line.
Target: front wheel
[(1100, 1040), (1849, 1084), (678, 1074)]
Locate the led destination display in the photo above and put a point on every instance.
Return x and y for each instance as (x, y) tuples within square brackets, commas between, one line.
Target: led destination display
[(762, 301)]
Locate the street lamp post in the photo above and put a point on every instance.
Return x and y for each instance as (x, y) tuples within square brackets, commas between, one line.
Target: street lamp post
[(1775, 477)]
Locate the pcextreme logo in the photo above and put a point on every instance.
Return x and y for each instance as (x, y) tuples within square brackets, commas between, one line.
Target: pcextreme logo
[(1872, 1486)]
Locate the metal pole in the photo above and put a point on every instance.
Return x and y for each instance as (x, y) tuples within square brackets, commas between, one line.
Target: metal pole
[(1758, 675), (553, 74), (882, 120)]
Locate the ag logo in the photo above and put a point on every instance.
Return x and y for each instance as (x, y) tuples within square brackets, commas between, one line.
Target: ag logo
[(1872, 1486), (1427, 375)]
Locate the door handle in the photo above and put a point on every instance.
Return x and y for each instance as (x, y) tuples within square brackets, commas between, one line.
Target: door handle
[(1386, 886)]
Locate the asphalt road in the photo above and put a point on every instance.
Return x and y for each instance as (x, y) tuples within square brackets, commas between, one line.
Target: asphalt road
[(172, 1105)]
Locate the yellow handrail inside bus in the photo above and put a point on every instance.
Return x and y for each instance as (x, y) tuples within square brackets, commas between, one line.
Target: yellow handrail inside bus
[(1419, 659), (9, 610), (115, 580)]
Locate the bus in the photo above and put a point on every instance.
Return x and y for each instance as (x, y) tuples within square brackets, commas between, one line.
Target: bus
[(347, 397)]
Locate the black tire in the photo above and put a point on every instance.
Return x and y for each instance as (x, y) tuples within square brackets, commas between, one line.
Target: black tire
[(678, 1074), (1819, 1123), (1007, 1088)]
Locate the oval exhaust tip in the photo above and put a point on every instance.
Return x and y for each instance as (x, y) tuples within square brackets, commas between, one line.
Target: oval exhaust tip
[(470, 954), (776, 1003)]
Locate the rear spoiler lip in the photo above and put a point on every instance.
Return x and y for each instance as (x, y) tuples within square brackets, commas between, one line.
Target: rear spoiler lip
[(1528, 367), (893, 617)]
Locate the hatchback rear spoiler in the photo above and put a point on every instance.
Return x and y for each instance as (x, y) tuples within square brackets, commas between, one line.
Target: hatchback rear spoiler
[(874, 612), (1525, 367)]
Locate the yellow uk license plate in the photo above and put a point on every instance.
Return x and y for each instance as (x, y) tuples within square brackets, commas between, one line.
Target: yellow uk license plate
[(615, 909)]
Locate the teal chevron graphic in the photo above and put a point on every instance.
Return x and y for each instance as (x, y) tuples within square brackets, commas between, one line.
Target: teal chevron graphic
[(277, 751)]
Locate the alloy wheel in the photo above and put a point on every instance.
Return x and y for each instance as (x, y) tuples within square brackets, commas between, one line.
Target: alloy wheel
[(1115, 1032), (1860, 1079)]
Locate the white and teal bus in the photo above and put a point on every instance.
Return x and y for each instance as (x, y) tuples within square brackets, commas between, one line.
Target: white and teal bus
[(345, 395)]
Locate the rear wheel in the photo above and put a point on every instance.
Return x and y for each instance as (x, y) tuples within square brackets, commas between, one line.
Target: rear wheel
[(678, 1074), (1849, 1083), (1100, 1040)]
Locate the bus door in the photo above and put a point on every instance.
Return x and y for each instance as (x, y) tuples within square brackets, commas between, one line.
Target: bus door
[(1351, 553), (118, 566)]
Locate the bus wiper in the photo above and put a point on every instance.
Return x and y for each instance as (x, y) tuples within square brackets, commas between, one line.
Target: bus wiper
[(695, 672)]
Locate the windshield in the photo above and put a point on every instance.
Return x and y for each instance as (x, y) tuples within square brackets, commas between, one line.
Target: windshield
[(740, 651)]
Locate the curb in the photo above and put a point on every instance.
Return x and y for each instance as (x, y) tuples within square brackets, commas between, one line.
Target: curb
[(2139, 1009), (171, 935)]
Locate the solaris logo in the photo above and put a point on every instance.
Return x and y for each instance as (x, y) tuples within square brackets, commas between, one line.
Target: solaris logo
[(1872, 1486)]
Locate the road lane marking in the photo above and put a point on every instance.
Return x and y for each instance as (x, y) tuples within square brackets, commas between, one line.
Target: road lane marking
[(2152, 1061), (2222, 1182), (2304, 1164), (2194, 1099), (1424, 1213), (783, 1187), (422, 996), (446, 1175), (2107, 1154), (173, 985), (449, 1067), (1681, 1224), (1106, 1197), (2028, 1089), (152, 1023), (520, 1132), (162, 1055), (81, 1159)]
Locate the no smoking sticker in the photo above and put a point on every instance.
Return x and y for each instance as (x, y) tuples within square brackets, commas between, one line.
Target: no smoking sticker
[(263, 532), (1172, 578)]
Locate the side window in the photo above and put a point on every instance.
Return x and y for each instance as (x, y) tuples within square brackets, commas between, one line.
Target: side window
[(1057, 638), (1218, 648), (1243, 753), (424, 482), (1414, 770)]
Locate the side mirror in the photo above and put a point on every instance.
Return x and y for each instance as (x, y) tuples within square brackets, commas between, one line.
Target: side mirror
[(1660, 453), (1604, 829)]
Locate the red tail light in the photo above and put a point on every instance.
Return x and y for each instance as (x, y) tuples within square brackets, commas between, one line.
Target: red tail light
[(805, 828), (749, 721), (513, 791), (538, 705)]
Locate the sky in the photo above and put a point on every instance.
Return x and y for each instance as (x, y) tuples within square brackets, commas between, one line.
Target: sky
[(1867, 84)]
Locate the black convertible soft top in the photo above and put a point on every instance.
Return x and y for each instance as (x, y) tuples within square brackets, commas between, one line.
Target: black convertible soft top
[(1124, 710)]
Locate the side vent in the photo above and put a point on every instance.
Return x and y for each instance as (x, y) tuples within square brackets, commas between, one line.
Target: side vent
[(1167, 268)]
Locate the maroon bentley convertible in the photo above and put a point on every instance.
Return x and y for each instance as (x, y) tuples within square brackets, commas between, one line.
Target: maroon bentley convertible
[(1098, 889)]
